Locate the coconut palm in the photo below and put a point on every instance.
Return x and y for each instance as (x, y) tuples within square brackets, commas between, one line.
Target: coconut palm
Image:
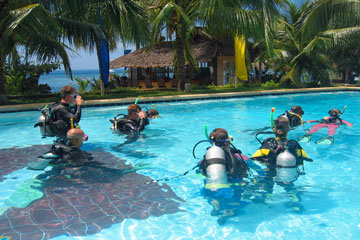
[(41, 27), (306, 34), (225, 18), (29, 26)]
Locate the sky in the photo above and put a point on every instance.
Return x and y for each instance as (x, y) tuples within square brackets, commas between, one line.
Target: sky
[(85, 60)]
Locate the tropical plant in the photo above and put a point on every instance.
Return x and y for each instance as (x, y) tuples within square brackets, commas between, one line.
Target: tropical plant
[(40, 27), (306, 36), (222, 18), (82, 84), (30, 27)]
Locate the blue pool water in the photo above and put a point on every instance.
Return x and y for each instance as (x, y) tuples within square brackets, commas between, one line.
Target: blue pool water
[(324, 203)]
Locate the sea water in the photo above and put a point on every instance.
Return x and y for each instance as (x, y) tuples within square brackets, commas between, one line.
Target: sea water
[(323, 204), (58, 78)]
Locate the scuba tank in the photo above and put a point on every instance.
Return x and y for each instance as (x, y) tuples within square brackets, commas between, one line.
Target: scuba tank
[(43, 123), (216, 169), (286, 168)]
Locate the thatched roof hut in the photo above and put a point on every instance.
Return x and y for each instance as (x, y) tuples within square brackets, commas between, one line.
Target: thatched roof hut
[(162, 55)]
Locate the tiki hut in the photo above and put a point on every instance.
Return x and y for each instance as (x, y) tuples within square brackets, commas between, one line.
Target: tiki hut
[(153, 66)]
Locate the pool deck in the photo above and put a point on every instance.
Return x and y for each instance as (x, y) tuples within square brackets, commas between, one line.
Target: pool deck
[(126, 101)]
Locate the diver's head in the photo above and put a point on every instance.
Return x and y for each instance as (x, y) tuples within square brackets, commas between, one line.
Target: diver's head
[(281, 127), (68, 94), (152, 113), (76, 137), (220, 137), (134, 107), (298, 110), (133, 110), (334, 113)]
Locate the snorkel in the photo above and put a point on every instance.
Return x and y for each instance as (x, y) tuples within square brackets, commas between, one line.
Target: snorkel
[(206, 132), (136, 100), (340, 113), (272, 117)]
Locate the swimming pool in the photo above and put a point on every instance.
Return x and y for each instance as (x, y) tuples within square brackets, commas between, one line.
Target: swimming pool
[(323, 205)]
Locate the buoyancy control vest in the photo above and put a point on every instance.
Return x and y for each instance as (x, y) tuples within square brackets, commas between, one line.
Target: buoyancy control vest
[(49, 125), (294, 119), (333, 120), (124, 124)]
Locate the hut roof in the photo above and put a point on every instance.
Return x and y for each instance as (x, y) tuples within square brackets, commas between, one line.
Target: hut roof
[(162, 55)]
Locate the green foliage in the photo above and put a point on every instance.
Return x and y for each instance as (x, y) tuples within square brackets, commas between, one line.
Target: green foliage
[(270, 84), (23, 78), (82, 83), (95, 84)]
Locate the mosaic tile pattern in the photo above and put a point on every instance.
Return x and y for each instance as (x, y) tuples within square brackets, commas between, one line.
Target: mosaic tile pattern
[(82, 199)]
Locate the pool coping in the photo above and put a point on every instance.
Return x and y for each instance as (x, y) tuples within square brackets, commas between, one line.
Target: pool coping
[(178, 98)]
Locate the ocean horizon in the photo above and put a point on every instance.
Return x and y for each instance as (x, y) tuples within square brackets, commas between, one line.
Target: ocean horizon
[(57, 79)]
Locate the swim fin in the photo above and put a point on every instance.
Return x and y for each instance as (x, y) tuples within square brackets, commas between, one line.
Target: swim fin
[(305, 138), (325, 140)]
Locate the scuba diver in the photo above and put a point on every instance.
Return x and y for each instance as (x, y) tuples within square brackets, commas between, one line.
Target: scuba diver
[(57, 120), (332, 123), (134, 122), (63, 153), (294, 116), (281, 156), (222, 160), (224, 167), (152, 113)]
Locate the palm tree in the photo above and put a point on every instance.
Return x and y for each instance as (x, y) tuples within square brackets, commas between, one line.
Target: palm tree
[(41, 28), (30, 26), (306, 34), (223, 19), (121, 21)]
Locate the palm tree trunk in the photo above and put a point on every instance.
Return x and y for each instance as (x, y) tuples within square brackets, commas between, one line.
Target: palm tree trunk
[(347, 71), (3, 96), (180, 62)]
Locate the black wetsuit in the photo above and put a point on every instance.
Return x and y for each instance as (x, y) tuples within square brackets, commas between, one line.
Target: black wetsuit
[(129, 126), (235, 167), (60, 115), (294, 119)]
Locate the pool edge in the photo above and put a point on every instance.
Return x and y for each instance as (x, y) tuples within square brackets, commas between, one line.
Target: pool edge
[(126, 101)]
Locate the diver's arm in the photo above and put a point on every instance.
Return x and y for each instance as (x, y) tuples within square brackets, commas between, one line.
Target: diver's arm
[(347, 123), (142, 124)]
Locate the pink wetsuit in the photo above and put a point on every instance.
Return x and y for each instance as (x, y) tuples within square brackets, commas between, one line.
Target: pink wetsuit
[(331, 127)]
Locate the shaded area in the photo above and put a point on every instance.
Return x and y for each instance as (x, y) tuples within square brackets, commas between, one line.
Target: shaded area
[(12, 159), (85, 197)]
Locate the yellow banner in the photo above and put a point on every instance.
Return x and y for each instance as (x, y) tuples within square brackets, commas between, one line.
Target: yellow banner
[(240, 66)]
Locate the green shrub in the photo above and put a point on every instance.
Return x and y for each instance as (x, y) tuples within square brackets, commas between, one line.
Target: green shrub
[(82, 83)]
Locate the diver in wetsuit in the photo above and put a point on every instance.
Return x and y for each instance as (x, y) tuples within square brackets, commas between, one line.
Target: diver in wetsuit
[(134, 122), (281, 158), (332, 123), (61, 153), (294, 116), (223, 165), (279, 152)]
